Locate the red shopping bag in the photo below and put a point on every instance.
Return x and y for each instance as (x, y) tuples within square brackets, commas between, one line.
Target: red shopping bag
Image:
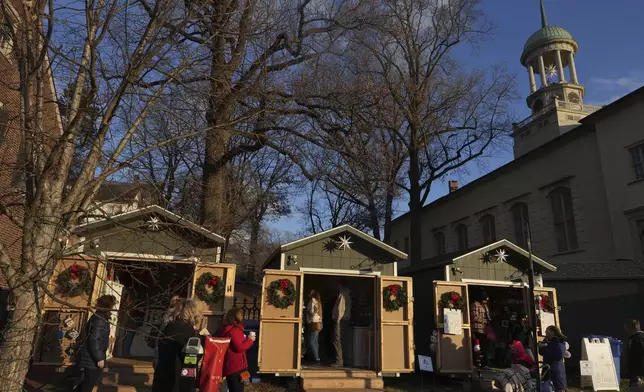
[(212, 364)]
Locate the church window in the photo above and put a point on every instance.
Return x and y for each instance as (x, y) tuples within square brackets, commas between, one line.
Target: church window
[(637, 157), (563, 219), (488, 228), (521, 222), (461, 236), (439, 241)]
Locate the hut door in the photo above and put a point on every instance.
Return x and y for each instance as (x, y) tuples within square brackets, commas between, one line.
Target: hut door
[(453, 352), (225, 274), (552, 294), (280, 329), (396, 326)]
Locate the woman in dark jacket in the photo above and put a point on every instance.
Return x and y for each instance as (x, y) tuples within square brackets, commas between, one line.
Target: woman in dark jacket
[(173, 338), (635, 352), (235, 363), (94, 348), (553, 349)]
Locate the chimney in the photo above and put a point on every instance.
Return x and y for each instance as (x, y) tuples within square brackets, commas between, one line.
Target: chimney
[(453, 186)]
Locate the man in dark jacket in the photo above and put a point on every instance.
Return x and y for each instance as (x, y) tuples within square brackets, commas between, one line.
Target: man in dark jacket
[(94, 348), (635, 352)]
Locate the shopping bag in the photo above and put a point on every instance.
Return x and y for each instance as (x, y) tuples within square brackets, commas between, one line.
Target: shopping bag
[(213, 363)]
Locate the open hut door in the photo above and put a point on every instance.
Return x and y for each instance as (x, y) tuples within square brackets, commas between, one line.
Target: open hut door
[(453, 351), (213, 312), (280, 330), (396, 326), (546, 306)]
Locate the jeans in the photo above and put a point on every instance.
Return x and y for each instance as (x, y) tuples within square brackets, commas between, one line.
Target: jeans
[(314, 343), (342, 343), (90, 379), (128, 339), (234, 383)]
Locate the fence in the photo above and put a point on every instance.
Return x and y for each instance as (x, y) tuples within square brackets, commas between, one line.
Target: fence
[(249, 309)]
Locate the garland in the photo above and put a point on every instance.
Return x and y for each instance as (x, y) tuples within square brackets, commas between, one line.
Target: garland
[(544, 303), (394, 297), (281, 293), (452, 300), (74, 281), (216, 285)]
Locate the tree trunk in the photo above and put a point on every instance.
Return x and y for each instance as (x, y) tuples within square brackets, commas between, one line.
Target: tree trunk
[(373, 220), (389, 207), (19, 337), (415, 235)]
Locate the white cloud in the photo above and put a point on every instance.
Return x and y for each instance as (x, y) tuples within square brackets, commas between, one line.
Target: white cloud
[(602, 90)]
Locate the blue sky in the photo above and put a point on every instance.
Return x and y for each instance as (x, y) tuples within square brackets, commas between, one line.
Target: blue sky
[(610, 61)]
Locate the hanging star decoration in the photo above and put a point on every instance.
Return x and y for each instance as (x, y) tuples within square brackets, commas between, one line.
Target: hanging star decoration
[(487, 258), (330, 246), (154, 224), (501, 256), (344, 242), (551, 73)]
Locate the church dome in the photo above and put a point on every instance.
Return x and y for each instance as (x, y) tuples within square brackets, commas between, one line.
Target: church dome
[(543, 36)]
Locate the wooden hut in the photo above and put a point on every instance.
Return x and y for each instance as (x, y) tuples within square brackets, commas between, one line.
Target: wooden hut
[(382, 337)]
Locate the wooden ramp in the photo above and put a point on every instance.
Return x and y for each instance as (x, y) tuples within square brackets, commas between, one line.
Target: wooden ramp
[(322, 379), (126, 375)]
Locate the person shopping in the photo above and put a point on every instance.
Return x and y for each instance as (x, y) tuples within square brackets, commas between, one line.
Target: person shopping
[(93, 351), (171, 342), (235, 364), (314, 323), (553, 350), (481, 325), (635, 352)]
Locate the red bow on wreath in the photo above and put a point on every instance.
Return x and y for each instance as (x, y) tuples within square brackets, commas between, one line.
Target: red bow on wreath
[(74, 271), (393, 290), (455, 297), (213, 281), (284, 284)]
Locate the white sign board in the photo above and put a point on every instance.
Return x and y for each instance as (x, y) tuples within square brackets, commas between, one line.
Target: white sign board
[(425, 363), (547, 319), (586, 368), (604, 376), (452, 322)]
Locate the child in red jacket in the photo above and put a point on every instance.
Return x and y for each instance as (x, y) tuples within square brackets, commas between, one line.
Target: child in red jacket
[(235, 364)]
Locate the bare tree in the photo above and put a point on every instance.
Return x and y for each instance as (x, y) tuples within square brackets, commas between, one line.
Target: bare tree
[(451, 114), (103, 50)]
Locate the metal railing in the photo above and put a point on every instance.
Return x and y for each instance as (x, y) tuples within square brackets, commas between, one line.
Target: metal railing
[(557, 104)]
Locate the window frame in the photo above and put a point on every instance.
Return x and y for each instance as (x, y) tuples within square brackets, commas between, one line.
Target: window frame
[(462, 240), (637, 160), (563, 219), (520, 210), (439, 243), (488, 228)]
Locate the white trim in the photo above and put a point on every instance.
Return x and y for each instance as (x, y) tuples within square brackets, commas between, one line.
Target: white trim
[(282, 261), (512, 246), (395, 268), (447, 272), (149, 256), (338, 272), (483, 282)]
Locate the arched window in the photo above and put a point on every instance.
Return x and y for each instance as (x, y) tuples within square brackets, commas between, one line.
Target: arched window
[(461, 236), (521, 221), (563, 219), (488, 228), (439, 242)]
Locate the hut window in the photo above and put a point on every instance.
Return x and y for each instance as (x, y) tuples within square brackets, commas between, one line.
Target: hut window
[(461, 236), (406, 250), (488, 228), (521, 221), (439, 239), (563, 219)]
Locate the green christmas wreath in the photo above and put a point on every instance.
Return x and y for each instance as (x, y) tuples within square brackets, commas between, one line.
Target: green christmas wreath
[(212, 282), (74, 281), (452, 300), (281, 293), (394, 297)]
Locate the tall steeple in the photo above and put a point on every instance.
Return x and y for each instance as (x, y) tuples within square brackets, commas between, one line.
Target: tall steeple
[(549, 53)]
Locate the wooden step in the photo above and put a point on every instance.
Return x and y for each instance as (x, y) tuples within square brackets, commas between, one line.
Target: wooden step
[(120, 388), (343, 383), (126, 377), (338, 373)]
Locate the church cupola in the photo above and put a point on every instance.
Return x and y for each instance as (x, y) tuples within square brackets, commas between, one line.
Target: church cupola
[(550, 53), (556, 102)]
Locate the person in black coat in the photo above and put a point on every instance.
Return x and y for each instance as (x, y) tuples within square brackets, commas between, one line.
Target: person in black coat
[(553, 350), (635, 352), (94, 348), (173, 338)]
